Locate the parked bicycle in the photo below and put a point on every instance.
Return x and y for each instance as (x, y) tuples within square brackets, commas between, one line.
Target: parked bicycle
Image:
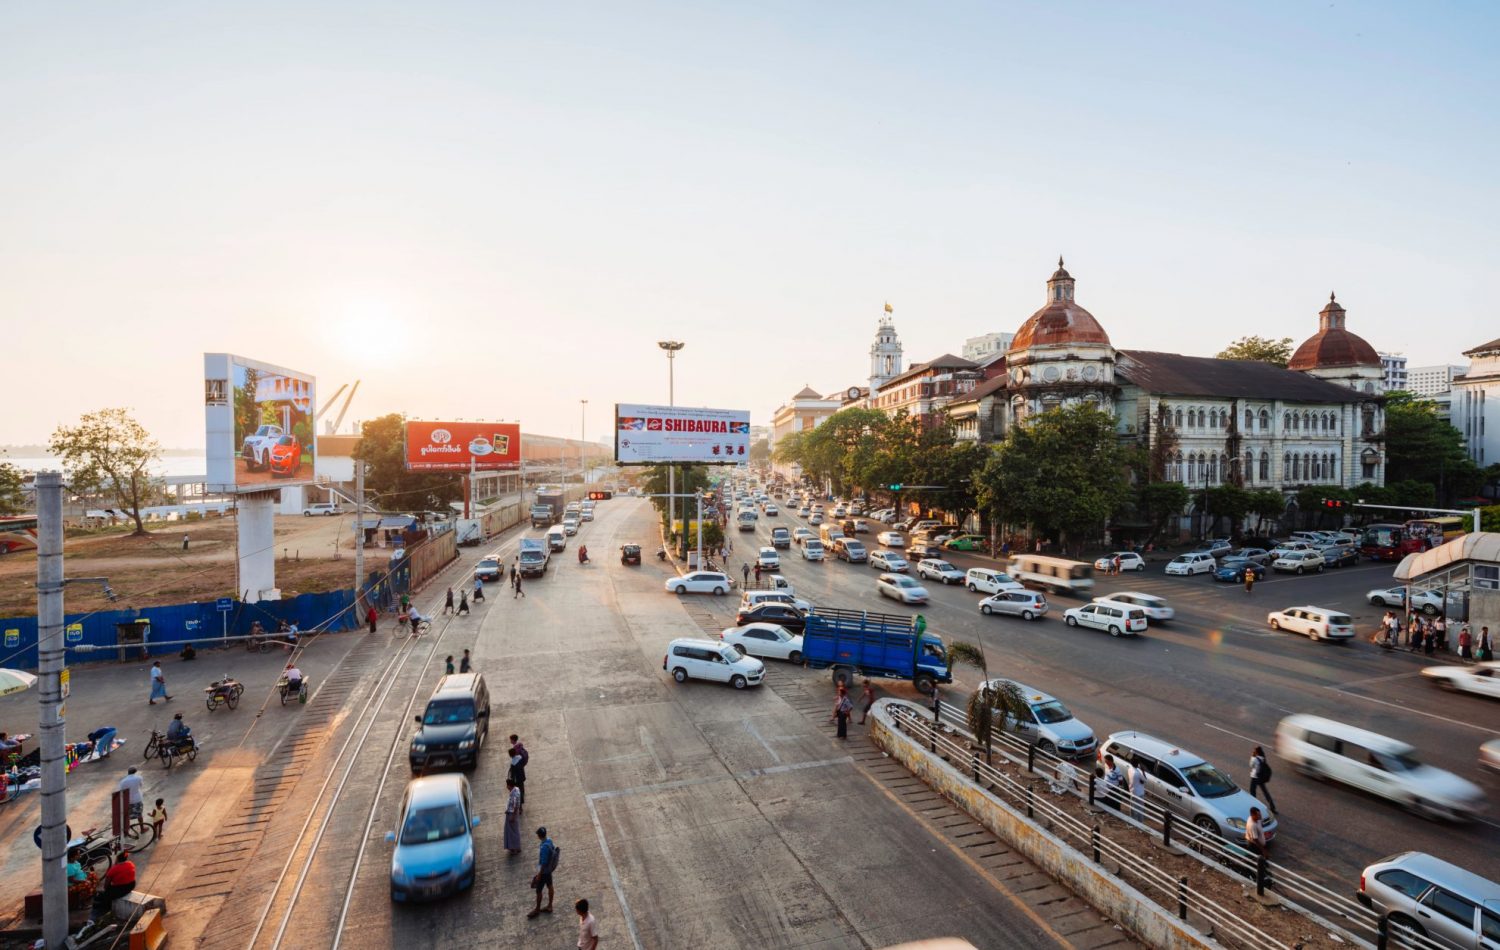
[(224, 692)]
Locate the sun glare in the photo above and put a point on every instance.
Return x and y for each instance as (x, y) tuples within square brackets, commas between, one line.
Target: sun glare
[(369, 331)]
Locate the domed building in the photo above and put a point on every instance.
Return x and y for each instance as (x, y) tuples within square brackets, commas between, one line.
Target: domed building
[(1060, 355), (1335, 354)]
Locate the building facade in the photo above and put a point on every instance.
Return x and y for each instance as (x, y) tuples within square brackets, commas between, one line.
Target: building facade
[(979, 348), (1394, 367), (804, 412), (927, 388), (1475, 406), (1432, 380), (885, 353)]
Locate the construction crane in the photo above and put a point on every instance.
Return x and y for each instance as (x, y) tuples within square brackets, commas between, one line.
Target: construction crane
[(332, 401)]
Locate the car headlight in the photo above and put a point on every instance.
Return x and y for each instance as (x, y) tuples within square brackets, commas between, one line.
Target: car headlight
[(466, 744), (468, 858), (1237, 823), (419, 747), (398, 873)]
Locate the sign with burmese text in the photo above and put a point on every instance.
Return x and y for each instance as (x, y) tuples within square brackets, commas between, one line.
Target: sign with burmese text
[(459, 446), (655, 435)]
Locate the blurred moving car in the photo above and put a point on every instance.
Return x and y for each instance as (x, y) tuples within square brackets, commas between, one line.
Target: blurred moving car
[(1156, 609), (1481, 679), (1026, 604), (1316, 623), (434, 838), (891, 539), (888, 561), (1129, 561), (902, 588)]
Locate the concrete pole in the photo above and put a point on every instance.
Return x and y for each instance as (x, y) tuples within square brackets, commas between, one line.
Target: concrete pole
[(583, 471), (359, 540), (51, 726), (671, 469), (699, 496)]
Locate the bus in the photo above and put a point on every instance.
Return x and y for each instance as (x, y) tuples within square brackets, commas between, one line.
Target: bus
[(1389, 542), (1435, 531), (1053, 573), (17, 533)]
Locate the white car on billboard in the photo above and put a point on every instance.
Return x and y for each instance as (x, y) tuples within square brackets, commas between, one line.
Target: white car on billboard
[(256, 448)]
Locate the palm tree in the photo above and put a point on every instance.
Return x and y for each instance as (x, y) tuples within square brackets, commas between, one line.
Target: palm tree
[(985, 703)]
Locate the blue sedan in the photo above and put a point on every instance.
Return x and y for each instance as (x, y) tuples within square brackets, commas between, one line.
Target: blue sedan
[(434, 840), (1233, 571)]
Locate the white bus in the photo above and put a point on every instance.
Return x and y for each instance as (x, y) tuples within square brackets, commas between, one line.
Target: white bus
[(1055, 574)]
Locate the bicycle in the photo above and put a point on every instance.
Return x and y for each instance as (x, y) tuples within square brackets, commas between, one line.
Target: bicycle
[(421, 627), (153, 745)]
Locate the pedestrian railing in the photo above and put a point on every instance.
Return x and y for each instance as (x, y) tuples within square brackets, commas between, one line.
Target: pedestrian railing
[(943, 731)]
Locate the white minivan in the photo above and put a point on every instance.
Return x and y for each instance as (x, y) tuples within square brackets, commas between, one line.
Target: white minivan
[(985, 580), (557, 538), (695, 658), (1325, 749)]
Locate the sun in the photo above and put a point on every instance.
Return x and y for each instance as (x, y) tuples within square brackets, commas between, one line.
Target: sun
[(369, 332)]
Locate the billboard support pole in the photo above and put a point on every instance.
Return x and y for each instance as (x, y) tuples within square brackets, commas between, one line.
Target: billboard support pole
[(699, 495), (50, 622), (359, 539)]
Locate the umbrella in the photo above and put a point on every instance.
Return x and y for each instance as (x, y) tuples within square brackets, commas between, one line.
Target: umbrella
[(15, 681)]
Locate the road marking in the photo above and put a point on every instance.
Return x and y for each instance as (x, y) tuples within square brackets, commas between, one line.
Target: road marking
[(1235, 734), (614, 875), (764, 744), (651, 750), (1378, 679), (1451, 722), (795, 766)]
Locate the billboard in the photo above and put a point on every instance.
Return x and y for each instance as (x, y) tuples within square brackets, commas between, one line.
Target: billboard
[(456, 446), (259, 424), (652, 435)]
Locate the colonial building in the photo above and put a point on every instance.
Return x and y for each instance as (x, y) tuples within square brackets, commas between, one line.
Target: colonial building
[(885, 354), (925, 389), (1475, 405), (802, 413)]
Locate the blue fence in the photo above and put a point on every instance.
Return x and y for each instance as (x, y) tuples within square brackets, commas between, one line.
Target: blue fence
[(202, 623)]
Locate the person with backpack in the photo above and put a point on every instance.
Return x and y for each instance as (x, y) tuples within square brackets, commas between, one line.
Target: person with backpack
[(842, 707), (1260, 775), (548, 856)]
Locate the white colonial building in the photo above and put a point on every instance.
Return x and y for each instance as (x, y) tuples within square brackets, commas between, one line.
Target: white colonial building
[(1476, 403)]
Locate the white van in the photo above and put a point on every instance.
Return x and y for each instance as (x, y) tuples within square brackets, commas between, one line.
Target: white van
[(557, 538), (985, 580), (694, 658), (1325, 749), (1053, 574)]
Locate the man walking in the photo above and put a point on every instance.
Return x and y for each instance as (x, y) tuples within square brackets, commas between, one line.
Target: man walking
[(745, 571), (465, 665), (158, 685), (1260, 775), (463, 603), (132, 783), (588, 928), (548, 855), (372, 616), (1249, 578), (1255, 833), (478, 590), (866, 701), (518, 592), (448, 603), (519, 758), (842, 707)]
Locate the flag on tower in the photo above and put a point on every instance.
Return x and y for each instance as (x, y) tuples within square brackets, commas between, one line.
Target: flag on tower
[(889, 308)]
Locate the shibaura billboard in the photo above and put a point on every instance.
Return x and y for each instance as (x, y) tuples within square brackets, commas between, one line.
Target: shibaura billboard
[(461, 446), (654, 435), (259, 424)]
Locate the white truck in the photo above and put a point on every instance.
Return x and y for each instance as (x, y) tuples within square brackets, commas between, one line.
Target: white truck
[(534, 557), (469, 531)]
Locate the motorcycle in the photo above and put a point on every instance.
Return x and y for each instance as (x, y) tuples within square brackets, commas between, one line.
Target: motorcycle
[(661, 554)]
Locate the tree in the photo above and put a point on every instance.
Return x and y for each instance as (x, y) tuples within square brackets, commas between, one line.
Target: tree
[(1063, 469), (1266, 503), (1422, 447), (690, 478), (1159, 502), (12, 490), (382, 446), (988, 701), (1260, 349), (1228, 501), (109, 453), (760, 451)]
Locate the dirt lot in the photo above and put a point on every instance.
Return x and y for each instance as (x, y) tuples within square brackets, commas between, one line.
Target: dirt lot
[(154, 569)]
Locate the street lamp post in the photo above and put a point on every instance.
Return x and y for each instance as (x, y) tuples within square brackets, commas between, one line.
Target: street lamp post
[(583, 473), (672, 346)]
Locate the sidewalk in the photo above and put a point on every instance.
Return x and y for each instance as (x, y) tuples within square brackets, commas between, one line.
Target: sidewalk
[(233, 743)]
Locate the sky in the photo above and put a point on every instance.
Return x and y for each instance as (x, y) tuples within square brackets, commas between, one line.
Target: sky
[(495, 210)]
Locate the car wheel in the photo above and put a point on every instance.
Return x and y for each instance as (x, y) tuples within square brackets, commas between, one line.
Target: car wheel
[(1047, 747), (1072, 621), (1275, 625), (1404, 924), (1299, 571), (985, 609), (1429, 610), (794, 657), (1313, 635), (1027, 615), (1114, 631), (925, 684), (307, 514), (1207, 824), (1378, 601), (1320, 568), (680, 675), (843, 676), (973, 589), (1141, 566), (718, 592), (738, 682)]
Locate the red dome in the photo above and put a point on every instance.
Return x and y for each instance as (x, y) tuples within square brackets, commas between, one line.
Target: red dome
[(1333, 345), (1061, 321)]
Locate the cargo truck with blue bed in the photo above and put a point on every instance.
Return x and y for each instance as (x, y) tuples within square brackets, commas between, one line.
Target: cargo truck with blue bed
[(857, 643)]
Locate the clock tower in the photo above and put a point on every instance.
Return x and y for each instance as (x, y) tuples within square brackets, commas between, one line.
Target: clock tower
[(885, 353)]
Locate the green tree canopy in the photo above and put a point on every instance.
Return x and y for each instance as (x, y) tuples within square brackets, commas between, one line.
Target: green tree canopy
[(109, 453), (1423, 447), (382, 446), (12, 499), (1258, 348), (1158, 503)]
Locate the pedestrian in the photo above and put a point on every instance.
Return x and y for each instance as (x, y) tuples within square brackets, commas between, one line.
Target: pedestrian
[(512, 839), (132, 783), (515, 569), (448, 603), (119, 880), (745, 571), (518, 592), (158, 817), (1255, 833), (1260, 775), (1137, 792), (1429, 640), (465, 665), (866, 700), (463, 603), (1440, 632), (757, 572), (548, 854), (405, 600), (1113, 781), (448, 665), (519, 759), (1486, 649), (1114, 564), (588, 928), (1464, 652), (158, 685), (842, 707), (103, 739), (1249, 579), (371, 617), (1413, 637), (478, 590)]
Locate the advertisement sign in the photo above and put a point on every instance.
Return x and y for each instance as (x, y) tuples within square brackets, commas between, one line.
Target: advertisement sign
[(75, 633), (456, 446), (652, 435), (259, 424)]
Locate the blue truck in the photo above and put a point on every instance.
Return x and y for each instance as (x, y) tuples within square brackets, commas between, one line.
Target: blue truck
[(861, 643)]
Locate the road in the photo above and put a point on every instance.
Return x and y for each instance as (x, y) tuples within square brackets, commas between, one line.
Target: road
[(690, 815), (1217, 680)]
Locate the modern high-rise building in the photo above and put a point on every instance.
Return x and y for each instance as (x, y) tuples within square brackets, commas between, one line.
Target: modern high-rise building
[(978, 348), (1394, 367), (1431, 380)]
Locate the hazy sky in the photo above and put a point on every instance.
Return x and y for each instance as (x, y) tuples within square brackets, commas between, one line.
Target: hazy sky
[(493, 210)]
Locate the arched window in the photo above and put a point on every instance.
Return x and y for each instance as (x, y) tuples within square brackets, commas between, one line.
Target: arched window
[(1307, 422), (1201, 418), (1333, 423), (1213, 467), (1333, 471), (1265, 466), (1176, 466), (1296, 468), (1249, 421), (1249, 469), (1265, 420), (1178, 425), (1202, 467), (1286, 468), (1213, 417), (1225, 418), (1315, 468), (1286, 422)]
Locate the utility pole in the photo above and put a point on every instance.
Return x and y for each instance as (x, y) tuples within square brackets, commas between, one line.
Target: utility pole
[(672, 346), (359, 539), (49, 610), (583, 472)]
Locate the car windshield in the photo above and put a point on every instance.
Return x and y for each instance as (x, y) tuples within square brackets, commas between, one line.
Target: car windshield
[(447, 712), (1208, 781), (488, 565), (942, 566), (286, 440), (1051, 711), (434, 824), (905, 582), (730, 655)]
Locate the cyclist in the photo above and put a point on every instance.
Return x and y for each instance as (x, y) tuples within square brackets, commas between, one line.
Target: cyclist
[(179, 734), (293, 679), (416, 620)]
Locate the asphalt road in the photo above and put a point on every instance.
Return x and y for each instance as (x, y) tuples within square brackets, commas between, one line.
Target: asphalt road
[(1217, 680), (690, 816)]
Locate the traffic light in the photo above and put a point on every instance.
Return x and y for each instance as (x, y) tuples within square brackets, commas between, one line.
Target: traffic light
[(896, 487), (1334, 503)]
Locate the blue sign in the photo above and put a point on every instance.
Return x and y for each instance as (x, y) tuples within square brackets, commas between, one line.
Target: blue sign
[(224, 603)]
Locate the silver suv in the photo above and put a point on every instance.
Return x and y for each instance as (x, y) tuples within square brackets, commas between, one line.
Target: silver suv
[(1441, 901), (1187, 785)]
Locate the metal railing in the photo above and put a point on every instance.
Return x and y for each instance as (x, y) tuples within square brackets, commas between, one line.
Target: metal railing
[(943, 731)]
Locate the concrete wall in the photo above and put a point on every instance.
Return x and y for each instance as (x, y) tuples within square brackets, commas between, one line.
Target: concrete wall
[(1138, 914)]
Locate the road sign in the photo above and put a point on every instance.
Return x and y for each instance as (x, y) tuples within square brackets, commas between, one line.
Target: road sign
[(224, 603)]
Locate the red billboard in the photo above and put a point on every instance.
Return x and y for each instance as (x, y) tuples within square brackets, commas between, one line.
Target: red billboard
[(459, 446)]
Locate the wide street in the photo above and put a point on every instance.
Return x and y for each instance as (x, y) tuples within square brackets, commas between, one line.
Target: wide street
[(1217, 680), (690, 816)]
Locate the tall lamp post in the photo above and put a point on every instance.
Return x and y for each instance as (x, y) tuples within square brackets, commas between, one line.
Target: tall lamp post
[(583, 471), (672, 346)]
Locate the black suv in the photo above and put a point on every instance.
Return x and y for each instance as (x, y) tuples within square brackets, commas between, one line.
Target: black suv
[(455, 725)]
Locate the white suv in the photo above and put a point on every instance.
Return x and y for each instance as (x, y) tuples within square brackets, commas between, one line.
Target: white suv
[(939, 570), (1118, 619), (322, 508), (1316, 623), (1195, 563), (691, 658)]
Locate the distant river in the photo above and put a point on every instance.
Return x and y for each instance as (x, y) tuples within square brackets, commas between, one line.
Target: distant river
[(167, 465)]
